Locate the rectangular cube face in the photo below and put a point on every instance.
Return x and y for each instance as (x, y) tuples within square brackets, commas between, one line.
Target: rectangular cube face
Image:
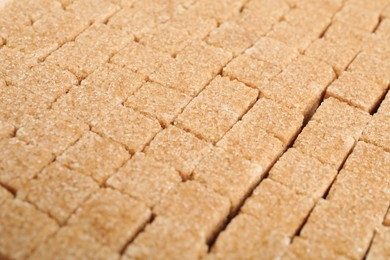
[(58, 191), (20, 219), (21, 162), (246, 237), (72, 242), (253, 143), (357, 91), (377, 131), (165, 239), (179, 149), (360, 18), (210, 209), (52, 131), (145, 179), (255, 73), (384, 108), (303, 174), (211, 114), (111, 218), (273, 51), (328, 145), (278, 207), (276, 119), (127, 127), (229, 175), (94, 156), (93, 11), (157, 101), (380, 245), (192, 69)]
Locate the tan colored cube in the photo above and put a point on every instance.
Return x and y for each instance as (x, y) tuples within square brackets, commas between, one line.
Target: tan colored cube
[(94, 156), (145, 179), (211, 114), (192, 69), (338, 55), (339, 116), (273, 10), (250, 141), (179, 149), (22, 229), (52, 131), (127, 127), (377, 131), (357, 91), (167, 239), (220, 11), (303, 174), (276, 119), (36, 9), (380, 245), (93, 11), (384, 107), (111, 218), (253, 72), (272, 201), (140, 58), (229, 175), (72, 243), (384, 29), (58, 191), (254, 24), (231, 37), (20, 162), (358, 17), (246, 237), (7, 130), (273, 51), (328, 145), (191, 204), (160, 102), (374, 6), (340, 32)]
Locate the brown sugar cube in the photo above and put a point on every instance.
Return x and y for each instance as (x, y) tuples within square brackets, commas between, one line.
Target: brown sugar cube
[(250, 71), (338, 31), (377, 131), (48, 81), (358, 17), (72, 243), (384, 107), (209, 210), (338, 115), (330, 146), (36, 9), (386, 12), (220, 11), (58, 191), (307, 249), (140, 58), (246, 237), (5, 195), (338, 55), (127, 127), (52, 131), (229, 175), (313, 20), (383, 29), (303, 99), (377, 46), (179, 149), (372, 67), (339, 228), (231, 37), (375, 6), (380, 248), (250, 141), (145, 179), (93, 11), (115, 81), (166, 239), (275, 10), (111, 218), (295, 37), (271, 201), (276, 119), (95, 156), (328, 6), (211, 114), (7, 130), (273, 51), (192, 69), (158, 101), (22, 229), (305, 175), (20, 162), (255, 25)]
